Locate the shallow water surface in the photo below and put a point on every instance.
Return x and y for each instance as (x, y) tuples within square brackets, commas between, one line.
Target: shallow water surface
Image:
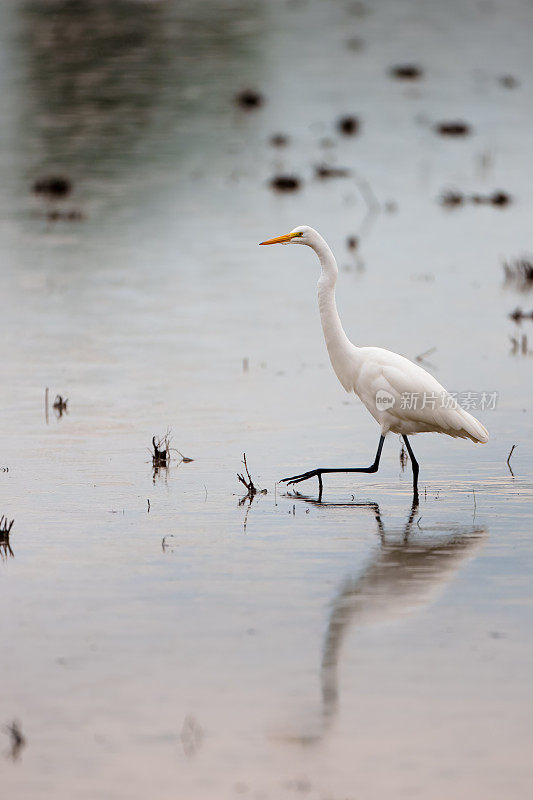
[(161, 636)]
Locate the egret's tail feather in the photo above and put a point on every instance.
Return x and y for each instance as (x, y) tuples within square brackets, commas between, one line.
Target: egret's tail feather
[(472, 429)]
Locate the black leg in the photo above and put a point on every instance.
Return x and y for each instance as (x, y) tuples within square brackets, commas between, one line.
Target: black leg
[(317, 473), (416, 469)]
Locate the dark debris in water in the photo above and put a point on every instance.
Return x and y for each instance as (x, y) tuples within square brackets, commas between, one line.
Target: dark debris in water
[(452, 198), (285, 183), (352, 242), (497, 198), (16, 738), (518, 315), (161, 451), (74, 215), (249, 99), (509, 81), (453, 128), (325, 171), (407, 72), (53, 186), (348, 125), (519, 272), (279, 140), (5, 530)]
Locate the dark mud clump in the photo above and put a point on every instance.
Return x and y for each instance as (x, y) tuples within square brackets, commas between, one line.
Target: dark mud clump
[(519, 272), (407, 72), (455, 128), (348, 125), (285, 183), (249, 99), (279, 140), (324, 171), (54, 186)]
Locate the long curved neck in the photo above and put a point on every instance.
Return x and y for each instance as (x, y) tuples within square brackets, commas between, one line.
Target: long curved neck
[(341, 351)]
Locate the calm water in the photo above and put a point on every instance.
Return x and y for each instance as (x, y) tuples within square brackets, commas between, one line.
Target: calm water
[(207, 648)]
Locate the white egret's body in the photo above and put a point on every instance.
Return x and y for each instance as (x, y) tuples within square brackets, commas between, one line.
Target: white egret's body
[(401, 396)]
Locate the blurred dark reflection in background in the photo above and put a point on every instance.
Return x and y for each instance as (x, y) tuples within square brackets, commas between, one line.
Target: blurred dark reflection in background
[(102, 76)]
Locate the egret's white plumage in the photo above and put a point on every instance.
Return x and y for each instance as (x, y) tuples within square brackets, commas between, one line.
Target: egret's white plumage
[(370, 372), (401, 396)]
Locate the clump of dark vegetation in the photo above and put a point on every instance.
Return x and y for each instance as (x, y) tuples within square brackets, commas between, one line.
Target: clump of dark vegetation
[(285, 183), (519, 272), (407, 72), (60, 405), (279, 140), (452, 198), (249, 99), (54, 186), (161, 451), (453, 128), (518, 315), (17, 739), (5, 530), (324, 171), (348, 125)]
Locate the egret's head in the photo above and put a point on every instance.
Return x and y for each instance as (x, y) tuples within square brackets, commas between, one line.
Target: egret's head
[(303, 234)]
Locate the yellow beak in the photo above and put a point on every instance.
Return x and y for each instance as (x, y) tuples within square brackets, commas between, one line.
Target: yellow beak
[(280, 239)]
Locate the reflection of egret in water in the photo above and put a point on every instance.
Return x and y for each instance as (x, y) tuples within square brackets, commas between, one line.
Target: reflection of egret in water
[(402, 576)]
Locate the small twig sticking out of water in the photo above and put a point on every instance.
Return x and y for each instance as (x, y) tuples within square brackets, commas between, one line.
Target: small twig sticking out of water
[(148, 501), (248, 484), (18, 740), (509, 459), (251, 489), (185, 459)]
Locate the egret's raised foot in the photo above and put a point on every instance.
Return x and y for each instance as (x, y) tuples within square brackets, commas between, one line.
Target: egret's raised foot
[(313, 473)]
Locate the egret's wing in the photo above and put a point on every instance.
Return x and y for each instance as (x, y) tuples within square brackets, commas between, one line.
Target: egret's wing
[(426, 403)]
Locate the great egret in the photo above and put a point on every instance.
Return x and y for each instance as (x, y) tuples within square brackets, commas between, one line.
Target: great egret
[(401, 396)]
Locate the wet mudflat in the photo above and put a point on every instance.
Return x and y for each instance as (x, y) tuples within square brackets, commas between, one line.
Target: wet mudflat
[(159, 638)]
